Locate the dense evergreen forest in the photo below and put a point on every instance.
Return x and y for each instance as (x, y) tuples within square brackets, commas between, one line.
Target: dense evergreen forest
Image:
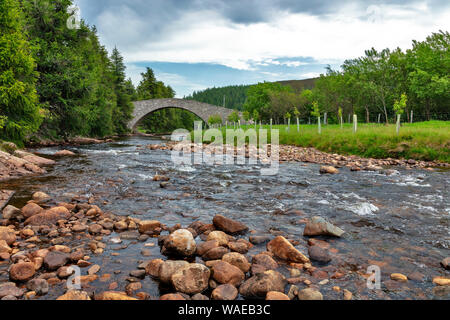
[(57, 81), (232, 97)]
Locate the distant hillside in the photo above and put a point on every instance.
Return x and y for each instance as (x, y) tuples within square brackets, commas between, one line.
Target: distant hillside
[(300, 85), (235, 96)]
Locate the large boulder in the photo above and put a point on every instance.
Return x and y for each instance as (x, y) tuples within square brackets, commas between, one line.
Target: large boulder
[(262, 283), (49, 217), (180, 242), (283, 249), (191, 279), (8, 235), (168, 268), (318, 226), (228, 225), (224, 273), (22, 271)]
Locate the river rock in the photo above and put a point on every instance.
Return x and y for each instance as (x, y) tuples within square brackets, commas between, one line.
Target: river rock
[(31, 209), (40, 286), (276, 296), (4, 247), (75, 295), (309, 294), (22, 271), (262, 263), (328, 170), (54, 260), (64, 153), (239, 246), (399, 277), (10, 213), (283, 249), (48, 217), (441, 281), (445, 263), (225, 292), (237, 260), (220, 236), (153, 267), (223, 273), (150, 227), (259, 239), (168, 268), (40, 197), (172, 296), (228, 225), (318, 226), (262, 283), (8, 235), (191, 279), (180, 242), (204, 247), (215, 254), (95, 229), (199, 297), (10, 289), (317, 253)]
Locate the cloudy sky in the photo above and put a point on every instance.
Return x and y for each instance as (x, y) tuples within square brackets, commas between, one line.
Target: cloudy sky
[(196, 44)]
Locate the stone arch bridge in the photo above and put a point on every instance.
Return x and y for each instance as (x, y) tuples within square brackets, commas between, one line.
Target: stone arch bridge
[(202, 110)]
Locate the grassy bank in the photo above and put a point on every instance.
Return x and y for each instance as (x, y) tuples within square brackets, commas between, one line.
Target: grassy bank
[(428, 141)]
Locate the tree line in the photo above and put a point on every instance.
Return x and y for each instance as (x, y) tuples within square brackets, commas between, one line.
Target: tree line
[(369, 87), (58, 81), (232, 97)]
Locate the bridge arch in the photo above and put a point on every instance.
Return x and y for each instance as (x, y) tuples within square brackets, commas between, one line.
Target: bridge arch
[(202, 110)]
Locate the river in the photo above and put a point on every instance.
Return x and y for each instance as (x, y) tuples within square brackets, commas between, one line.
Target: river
[(399, 222)]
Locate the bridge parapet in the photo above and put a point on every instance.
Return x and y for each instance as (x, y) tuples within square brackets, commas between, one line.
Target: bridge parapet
[(202, 110)]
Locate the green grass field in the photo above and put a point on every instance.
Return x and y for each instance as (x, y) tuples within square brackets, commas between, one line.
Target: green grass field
[(421, 141)]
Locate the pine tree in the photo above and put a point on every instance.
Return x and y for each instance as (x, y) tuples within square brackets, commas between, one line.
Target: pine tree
[(18, 99)]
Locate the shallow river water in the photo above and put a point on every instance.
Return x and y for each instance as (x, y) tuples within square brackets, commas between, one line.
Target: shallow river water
[(398, 222)]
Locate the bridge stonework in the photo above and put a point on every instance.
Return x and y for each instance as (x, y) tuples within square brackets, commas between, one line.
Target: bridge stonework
[(202, 110)]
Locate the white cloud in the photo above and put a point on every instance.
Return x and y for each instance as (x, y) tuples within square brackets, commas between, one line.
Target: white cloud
[(207, 37)]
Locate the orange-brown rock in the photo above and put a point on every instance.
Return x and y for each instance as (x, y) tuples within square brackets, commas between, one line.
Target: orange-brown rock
[(22, 271), (8, 235), (277, 296), (31, 209), (49, 217), (283, 249), (223, 273), (228, 225)]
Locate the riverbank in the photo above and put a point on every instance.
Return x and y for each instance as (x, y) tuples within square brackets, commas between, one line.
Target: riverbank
[(424, 141), (288, 153)]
